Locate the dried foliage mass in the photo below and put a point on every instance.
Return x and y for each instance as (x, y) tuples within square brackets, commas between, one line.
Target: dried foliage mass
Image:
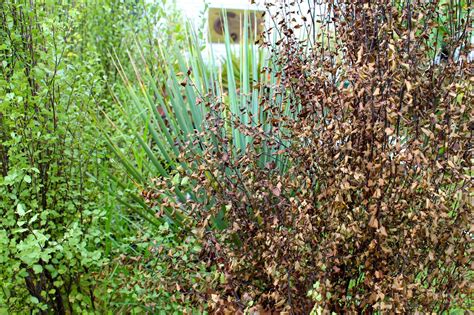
[(354, 189)]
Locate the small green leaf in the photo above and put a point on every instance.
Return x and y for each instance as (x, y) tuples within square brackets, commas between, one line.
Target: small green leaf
[(33, 218), (175, 179), (20, 209), (222, 278), (37, 269), (185, 181), (27, 178)]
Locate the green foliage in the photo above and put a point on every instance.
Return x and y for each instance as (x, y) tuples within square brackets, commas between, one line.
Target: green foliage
[(239, 63), (111, 27), (164, 119), (51, 214), (56, 76), (148, 266)]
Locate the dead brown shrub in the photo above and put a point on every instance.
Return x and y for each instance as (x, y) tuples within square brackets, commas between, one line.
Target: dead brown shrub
[(356, 184)]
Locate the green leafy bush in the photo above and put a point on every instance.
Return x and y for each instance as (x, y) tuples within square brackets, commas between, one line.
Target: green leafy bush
[(59, 224), (51, 213)]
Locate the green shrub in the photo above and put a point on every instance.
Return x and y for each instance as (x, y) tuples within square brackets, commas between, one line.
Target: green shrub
[(51, 213), (59, 224)]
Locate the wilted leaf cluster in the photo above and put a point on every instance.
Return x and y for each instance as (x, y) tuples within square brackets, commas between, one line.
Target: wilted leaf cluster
[(354, 189)]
